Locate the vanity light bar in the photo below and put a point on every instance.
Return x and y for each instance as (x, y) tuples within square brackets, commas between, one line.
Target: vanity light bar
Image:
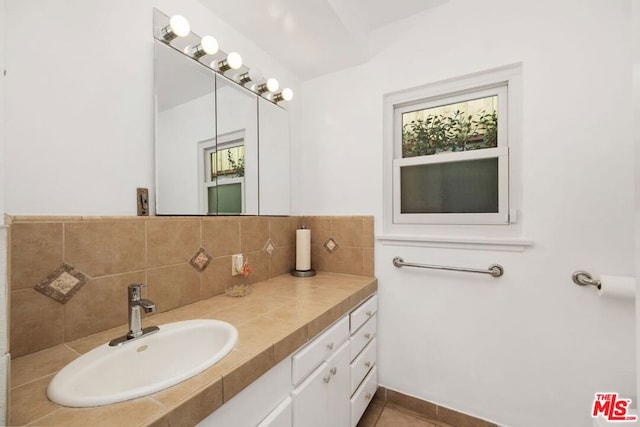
[(179, 27)]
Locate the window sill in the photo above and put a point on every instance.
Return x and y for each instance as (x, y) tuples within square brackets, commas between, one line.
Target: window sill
[(510, 245)]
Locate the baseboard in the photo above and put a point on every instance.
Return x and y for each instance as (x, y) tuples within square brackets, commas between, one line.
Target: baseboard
[(426, 409)]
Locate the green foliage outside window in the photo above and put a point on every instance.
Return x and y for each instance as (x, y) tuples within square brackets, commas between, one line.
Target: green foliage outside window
[(237, 166), (438, 133)]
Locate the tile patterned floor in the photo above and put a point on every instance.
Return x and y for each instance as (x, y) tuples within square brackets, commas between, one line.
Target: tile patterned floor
[(379, 414)]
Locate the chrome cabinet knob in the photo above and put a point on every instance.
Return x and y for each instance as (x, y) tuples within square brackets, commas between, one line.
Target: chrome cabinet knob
[(330, 346)]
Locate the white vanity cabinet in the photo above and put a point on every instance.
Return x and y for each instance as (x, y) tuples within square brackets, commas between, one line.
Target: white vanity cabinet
[(335, 375), (328, 382)]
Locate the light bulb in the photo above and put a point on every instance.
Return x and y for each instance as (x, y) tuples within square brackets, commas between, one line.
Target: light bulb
[(233, 62), (178, 27), (285, 95), (271, 85), (208, 46)]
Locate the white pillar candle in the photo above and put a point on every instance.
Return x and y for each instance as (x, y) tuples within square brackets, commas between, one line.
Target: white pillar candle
[(303, 249)]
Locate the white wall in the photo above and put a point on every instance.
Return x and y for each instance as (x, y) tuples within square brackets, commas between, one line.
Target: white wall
[(530, 348), (79, 129), (4, 356)]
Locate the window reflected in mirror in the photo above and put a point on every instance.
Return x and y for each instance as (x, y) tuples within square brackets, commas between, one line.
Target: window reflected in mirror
[(224, 184)]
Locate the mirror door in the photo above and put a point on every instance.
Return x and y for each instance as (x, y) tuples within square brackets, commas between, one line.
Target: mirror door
[(185, 120), (274, 159), (233, 182)]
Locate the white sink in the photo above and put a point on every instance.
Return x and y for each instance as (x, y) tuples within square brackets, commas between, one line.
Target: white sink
[(107, 374)]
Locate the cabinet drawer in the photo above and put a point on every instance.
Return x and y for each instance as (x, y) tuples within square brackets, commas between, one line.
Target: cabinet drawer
[(363, 396), (321, 348), (361, 314), (363, 336), (363, 364)]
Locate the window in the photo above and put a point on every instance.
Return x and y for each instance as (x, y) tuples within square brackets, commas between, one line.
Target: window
[(448, 152), (222, 189), (451, 159)]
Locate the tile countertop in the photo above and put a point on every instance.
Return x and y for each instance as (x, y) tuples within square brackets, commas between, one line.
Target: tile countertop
[(279, 316)]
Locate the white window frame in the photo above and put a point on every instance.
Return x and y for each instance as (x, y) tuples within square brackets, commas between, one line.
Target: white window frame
[(501, 152), (506, 82), (228, 140)]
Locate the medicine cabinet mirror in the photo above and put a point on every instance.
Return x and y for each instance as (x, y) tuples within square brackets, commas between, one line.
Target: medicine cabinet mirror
[(220, 148)]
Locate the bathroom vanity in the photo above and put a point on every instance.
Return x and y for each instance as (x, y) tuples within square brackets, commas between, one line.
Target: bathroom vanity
[(305, 356), (328, 382)]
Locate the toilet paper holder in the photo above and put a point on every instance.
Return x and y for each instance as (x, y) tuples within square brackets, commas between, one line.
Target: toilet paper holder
[(583, 278)]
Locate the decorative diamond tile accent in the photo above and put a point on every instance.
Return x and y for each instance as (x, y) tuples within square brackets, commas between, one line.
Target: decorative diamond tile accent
[(269, 247), (200, 261), (62, 283), (330, 245)]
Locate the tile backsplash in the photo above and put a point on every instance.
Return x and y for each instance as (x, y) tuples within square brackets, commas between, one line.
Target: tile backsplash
[(180, 259)]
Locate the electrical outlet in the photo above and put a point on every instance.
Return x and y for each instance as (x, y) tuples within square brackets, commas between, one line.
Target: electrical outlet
[(237, 261), (142, 197)]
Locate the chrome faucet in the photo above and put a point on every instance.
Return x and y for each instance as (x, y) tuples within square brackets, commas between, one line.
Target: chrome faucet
[(135, 304), (135, 322)]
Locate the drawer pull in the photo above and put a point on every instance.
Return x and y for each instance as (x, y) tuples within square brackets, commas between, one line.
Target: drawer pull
[(368, 396), (367, 336), (330, 345), (367, 364), (327, 379), (333, 370), (369, 313)]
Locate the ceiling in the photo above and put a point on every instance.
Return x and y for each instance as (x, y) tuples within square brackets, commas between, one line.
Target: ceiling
[(315, 37)]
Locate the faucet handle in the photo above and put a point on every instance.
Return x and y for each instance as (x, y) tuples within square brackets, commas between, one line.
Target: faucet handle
[(135, 291)]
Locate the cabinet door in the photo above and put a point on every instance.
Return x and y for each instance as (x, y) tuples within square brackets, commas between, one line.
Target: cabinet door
[(279, 417), (323, 398), (339, 408), (310, 399)]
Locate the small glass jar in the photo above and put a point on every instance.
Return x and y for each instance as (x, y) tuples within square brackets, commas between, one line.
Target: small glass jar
[(239, 290)]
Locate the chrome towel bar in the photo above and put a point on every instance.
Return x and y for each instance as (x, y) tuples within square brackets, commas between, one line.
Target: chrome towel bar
[(494, 270)]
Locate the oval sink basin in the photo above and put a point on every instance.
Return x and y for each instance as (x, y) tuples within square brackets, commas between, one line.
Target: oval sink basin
[(107, 374)]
